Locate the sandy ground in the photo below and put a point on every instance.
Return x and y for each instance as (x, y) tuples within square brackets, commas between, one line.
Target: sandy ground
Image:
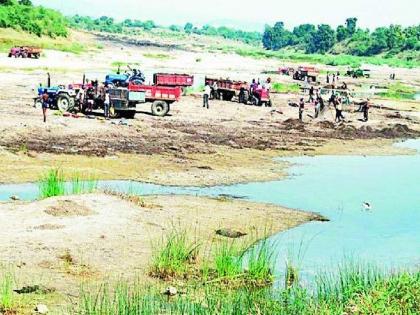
[(228, 143), (62, 241)]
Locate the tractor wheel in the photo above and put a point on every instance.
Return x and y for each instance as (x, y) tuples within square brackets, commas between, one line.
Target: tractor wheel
[(269, 103), (129, 114), (160, 108), (245, 97), (38, 104), (64, 103), (37, 56), (256, 101), (10, 55)]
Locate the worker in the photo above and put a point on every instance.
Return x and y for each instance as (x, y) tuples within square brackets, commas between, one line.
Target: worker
[(301, 108), (214, 90), (206, 96), (106, 104), (366, 111), (317, 108), (338, 110), (268, 84), (321, 103), (45, 104), (311, 94), (328, 77)]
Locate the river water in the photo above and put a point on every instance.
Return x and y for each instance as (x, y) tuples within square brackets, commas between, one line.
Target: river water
[(387, 235)]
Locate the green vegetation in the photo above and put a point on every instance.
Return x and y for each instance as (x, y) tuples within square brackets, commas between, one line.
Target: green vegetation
[(6, 292), (399, 91), (10, 38), (174, 255), (107, 24), (286, 88), (157, 56), (327, 59), (350, 292), (36, 20), (348, 39), (54, 184)]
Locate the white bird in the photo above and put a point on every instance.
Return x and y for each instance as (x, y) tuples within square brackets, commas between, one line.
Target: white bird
[(367, 206)]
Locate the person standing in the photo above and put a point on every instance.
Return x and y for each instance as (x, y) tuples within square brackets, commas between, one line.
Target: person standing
[(301, 108), (317, 107), (338, 110), (311, 94), (106, 104), (206, 96), (366, 111), (45, 104), (328, 77)]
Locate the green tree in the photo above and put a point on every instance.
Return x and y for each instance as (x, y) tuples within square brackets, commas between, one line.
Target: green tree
[(188, 28), (351, 25), (25, 2), (303, 33), (322, 40), (342, 33)]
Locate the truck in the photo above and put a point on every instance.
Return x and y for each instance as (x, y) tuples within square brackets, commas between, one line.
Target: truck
[(173, 79), (228, 89), (124, 100), (25, 52), (308, 74)]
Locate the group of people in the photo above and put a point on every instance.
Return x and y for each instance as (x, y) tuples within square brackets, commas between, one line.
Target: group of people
[(336, 101), (333, 77), (86, 96)]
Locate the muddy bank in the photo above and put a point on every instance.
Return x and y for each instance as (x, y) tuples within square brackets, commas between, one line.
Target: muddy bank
[(113, 238)]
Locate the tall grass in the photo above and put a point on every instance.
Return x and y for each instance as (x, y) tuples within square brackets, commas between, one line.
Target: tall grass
[(227, 259), (399, 91), (54, 184), (6, 291), (395, 294), (173, 255)]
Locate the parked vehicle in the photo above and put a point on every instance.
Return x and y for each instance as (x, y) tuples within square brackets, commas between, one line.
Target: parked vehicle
[(60, 97), (124, 100), (123, 80), (228, 89), (308, 74), (358, 73), (286, 70), (173, 79), (25, 52)]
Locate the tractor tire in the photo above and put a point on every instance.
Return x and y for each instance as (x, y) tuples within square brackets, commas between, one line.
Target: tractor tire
[(269, 103), (37, 56), (256, 101), (160, 108), (64, 103), (38, 104), (245, 97), (129, 114), (10, 55)]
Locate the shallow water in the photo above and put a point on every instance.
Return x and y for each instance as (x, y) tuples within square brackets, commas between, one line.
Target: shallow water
[(335, 186)]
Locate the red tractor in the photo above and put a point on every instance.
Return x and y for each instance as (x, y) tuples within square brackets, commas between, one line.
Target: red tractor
[(25, 52)]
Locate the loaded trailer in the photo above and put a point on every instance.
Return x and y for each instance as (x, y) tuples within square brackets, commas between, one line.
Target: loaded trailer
[(229, 90), (124, 101)]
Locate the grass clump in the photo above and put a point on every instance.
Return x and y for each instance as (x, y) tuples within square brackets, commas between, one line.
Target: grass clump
[(286, 88), (6, 292), (174, 255), (54, 184), (157, 56)]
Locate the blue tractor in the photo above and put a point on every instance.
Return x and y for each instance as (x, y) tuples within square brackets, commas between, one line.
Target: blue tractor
[(60, 97), (122, 80)]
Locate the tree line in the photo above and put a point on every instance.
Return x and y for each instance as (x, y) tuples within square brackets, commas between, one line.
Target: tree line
[(108, 24), (347, 38), (22, 15)]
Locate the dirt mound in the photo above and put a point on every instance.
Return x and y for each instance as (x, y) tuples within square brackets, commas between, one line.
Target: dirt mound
[(68, 208), (325, 124), (397, 130), (294, 124)]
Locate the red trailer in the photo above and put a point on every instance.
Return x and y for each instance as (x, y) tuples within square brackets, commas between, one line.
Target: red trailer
[(226, 90), (173, 79), (25, 52), (161, 97)]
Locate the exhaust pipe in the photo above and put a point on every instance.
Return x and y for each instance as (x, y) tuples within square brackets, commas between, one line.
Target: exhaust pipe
[(48, 80)]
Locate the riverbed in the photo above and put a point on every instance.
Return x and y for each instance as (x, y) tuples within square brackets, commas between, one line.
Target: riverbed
[(386, 234)]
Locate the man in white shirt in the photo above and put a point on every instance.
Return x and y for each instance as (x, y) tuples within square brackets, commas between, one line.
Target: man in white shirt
[(206, 96)]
